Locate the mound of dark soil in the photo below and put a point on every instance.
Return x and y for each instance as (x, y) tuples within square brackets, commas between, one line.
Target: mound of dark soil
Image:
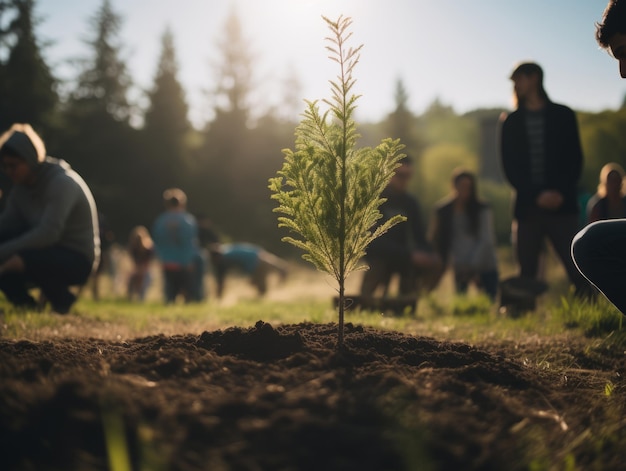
[(283, 398)]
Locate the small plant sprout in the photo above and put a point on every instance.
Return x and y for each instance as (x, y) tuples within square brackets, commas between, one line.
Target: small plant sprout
[(329, 191)]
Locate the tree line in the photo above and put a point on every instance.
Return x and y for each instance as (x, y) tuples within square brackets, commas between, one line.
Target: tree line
[(129, 153)]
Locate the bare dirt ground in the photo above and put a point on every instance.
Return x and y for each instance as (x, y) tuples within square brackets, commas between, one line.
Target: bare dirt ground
[(282, 397)]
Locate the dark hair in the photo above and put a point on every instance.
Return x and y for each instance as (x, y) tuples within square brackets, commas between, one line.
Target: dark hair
[(22, 141), (174, 198), (613, 21), (528, 69), (474, 205)]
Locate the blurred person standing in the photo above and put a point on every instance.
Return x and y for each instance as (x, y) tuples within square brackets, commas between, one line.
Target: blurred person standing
[(542, 159), (175, 236), (599, 250), (609, 202), (208, 239), (141, 252), (462, 233), (49, 236), (403, 249)]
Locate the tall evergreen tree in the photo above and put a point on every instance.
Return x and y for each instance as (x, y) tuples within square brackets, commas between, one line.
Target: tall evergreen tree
[(98, 140), (225, 157), (27, 86), (166, 124), (401, 123), (235, 70), (168, 108), (292, 102), (104, 82)]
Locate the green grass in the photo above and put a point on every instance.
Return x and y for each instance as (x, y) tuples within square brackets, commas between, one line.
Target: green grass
[(469, 318), (307, 297)]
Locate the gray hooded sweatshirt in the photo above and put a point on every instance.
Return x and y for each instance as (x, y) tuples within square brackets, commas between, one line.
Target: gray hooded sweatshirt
[(58, 209)]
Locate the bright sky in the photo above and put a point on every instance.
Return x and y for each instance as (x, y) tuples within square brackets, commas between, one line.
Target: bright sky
[(460, 51)]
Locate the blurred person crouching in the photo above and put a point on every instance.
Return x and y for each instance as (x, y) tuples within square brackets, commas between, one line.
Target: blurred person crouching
[(252, 260), (49, 236), (141, 252)]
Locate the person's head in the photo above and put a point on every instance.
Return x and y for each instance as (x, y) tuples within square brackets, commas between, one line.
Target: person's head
[(611, 179), (21, 153), (175, 198), (464, 185), (611, 32), (402, 175), (140, 237), (527, 80), (466, 193)]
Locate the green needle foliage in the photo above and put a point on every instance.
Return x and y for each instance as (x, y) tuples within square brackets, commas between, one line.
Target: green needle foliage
[(329, 191)]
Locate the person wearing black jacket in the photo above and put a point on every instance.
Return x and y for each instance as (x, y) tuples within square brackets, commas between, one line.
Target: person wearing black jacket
[(542, 159), (403, 249), (599, 250), (462, 233)]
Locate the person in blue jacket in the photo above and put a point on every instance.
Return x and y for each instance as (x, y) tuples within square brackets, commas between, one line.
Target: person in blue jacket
[(250, 259), (175, 236)]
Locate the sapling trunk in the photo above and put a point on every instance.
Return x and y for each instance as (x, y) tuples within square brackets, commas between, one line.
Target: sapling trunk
[(329, 191)]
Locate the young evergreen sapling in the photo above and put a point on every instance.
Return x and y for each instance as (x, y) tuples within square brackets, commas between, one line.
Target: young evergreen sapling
[(329, 191)]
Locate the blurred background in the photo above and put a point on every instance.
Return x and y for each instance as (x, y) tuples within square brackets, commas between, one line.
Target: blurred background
[(139, 96)]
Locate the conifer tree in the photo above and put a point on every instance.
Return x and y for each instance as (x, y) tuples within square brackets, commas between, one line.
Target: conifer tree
[(401, 122), (168, 108), (98, 139), (234, 71), (329, 191), (291, 102), (27, 86), (225, 156), (103, 82), (166, 124)]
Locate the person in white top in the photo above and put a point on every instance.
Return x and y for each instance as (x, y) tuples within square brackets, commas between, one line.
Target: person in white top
[(462, 233)]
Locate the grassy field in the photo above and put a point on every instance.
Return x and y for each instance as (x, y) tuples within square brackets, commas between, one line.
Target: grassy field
[(306, 296)]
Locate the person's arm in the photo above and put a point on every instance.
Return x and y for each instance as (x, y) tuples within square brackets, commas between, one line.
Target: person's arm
[(508, 150), (10, 220), (157, 234), (566, 169), (418, 229), (189, 239), (392, 245), (437, 236), (595, 214), (575, 158), (59, 199), (15, 263)]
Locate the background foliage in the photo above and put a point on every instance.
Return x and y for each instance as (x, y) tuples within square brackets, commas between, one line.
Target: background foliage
[(131, 144)]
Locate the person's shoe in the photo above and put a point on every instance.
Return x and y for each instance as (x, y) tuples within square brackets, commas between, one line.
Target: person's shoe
[(519, 295), (64, 308)]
